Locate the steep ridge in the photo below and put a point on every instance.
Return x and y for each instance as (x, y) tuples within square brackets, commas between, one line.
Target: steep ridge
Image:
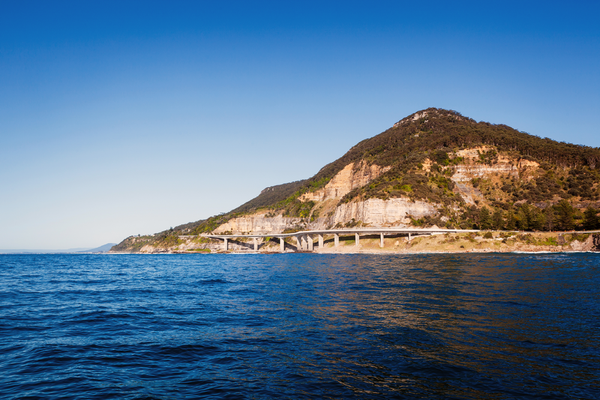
[(432, 168)]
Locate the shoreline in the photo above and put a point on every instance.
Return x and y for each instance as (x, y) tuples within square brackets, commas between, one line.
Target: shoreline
[(486, 242), (348, 252)]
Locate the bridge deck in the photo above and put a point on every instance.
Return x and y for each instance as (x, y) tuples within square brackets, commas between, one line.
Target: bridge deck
[(348, 231), (305, 239)]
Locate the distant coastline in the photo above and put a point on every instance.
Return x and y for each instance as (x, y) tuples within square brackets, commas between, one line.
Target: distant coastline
[(79, 250)]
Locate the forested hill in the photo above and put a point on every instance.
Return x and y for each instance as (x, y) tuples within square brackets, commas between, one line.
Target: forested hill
[(434, 133), (420, 154), (415, 137)]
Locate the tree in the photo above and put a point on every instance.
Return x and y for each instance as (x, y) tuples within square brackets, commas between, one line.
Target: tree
[(590, 219), (441, 157), (498, 220), (485, 219), (511, 221), (565, 212), (549, 213), (536, 219), (523, 219)]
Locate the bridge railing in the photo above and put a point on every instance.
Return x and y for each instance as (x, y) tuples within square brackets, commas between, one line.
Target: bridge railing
[(305, 240)]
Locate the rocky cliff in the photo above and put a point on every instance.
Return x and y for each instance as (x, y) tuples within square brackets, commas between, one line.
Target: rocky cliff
[(352, 176)]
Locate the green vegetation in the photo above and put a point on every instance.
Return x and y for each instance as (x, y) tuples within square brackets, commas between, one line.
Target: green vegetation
[(591, 221), (297, 208), (273, 195), (485, 219), (550, 241), (133, 243)]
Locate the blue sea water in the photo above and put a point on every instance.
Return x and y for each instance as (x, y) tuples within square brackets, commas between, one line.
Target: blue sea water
[(499, 326)]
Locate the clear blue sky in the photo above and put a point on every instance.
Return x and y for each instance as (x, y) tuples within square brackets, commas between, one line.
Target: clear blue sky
[(129, 117)]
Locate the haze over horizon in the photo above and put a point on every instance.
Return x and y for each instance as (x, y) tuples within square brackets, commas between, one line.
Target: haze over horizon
[(122, 118)]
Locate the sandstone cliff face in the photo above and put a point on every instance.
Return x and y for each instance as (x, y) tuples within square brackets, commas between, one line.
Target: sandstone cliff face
[(259, 224), (504, 165), (351, 177), (378, 212), (464, 173), (472, 168), (372, 212)]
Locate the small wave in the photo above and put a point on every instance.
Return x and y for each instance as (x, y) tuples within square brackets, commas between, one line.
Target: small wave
[(538, 252), (211, 281)]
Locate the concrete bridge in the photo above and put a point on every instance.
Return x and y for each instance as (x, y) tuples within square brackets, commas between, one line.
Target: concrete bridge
[(305, 240)]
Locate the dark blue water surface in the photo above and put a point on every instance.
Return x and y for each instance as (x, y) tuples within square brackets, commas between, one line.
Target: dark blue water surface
[(300, 326)]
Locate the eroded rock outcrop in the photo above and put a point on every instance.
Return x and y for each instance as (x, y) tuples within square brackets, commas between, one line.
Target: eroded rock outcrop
[(464, 173), (378, 212), (351, 177), (259, 223), (592, 243)]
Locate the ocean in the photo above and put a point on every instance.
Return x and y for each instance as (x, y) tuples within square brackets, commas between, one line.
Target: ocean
[(450, 326)]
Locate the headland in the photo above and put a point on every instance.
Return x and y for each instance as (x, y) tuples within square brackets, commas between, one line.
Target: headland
[(435, 169)]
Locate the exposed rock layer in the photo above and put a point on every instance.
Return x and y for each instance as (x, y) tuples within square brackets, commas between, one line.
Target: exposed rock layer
[(351, 177)]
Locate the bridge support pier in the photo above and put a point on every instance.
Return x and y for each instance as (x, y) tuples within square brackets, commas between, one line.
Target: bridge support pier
[(305, 240)]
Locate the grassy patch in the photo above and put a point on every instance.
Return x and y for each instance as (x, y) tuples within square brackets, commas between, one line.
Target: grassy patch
[(526, 238), (581, 237), (549, 241)]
